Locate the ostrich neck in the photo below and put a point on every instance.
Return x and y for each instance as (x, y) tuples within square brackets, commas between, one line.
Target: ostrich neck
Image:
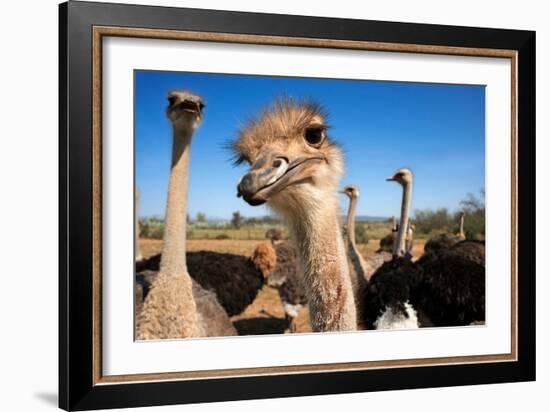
[(326, 273), (357, 265), (461, 230), (173, 252), (399, 246), (351, 220)]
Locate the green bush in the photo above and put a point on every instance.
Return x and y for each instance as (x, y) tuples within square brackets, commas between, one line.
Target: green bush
[(237, 220), (222, 236), (151, 228), (474, 223), (361, 233), (432, 222)]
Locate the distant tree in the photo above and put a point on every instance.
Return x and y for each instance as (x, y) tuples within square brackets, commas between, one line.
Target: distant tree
[(473, 203), (264, 220), (237, 220), (474, 222), (431, 222), (151, 228), (428, 221), (201, 217)]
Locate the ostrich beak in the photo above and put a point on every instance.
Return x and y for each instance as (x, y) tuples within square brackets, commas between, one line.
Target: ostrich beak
[(391, 179), (270, 174)]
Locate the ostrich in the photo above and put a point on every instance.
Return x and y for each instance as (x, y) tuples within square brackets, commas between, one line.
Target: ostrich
[(286, 277), (445, 241), (386, 243), (370, 263), (295, 168), (386, 301), (175, 306), (444, 289), (361, 269)]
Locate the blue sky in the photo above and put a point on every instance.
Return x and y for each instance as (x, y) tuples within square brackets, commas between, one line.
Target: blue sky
[(436, 130)]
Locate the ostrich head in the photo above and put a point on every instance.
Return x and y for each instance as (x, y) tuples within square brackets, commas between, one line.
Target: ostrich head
[(402, 176), (185, 110), (293, 162), (351, 191)]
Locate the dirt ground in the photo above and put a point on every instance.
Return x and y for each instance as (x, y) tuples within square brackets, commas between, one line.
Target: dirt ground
[(265, 315)]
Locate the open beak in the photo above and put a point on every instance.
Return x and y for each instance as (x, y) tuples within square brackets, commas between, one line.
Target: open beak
[(189, 106), (272, 173)]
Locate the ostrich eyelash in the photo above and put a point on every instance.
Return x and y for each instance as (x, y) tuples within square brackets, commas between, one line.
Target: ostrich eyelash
[(239, 160)]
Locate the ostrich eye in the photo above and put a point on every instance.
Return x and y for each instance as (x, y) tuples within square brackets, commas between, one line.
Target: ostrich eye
[(172, 100), (315, 135)]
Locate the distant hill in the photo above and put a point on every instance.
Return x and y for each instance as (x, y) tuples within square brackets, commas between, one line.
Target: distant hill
[(367, 218)]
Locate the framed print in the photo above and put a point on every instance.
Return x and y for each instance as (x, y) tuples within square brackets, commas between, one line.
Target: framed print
[(257, 206)]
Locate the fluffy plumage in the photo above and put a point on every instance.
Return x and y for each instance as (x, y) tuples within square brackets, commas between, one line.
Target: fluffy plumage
[(389, 290), (440, 243), (264, 258), (446, 288), (452, 288), (212, 318), (287, 279), (211, 315), (398, 319), (235, 279), (167, 308), (274, 234), (386, 243), (278, 123)]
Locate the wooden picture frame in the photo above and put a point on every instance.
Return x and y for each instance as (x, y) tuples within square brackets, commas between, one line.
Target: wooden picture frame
[(82, 27)]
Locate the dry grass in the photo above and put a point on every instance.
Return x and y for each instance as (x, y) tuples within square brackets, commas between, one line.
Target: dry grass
[(244, 233), (150, 247), (373, 245), (265, 314)]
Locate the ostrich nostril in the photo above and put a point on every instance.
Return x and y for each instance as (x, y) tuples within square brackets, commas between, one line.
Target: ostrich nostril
[(277, 163), (246, 185)]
